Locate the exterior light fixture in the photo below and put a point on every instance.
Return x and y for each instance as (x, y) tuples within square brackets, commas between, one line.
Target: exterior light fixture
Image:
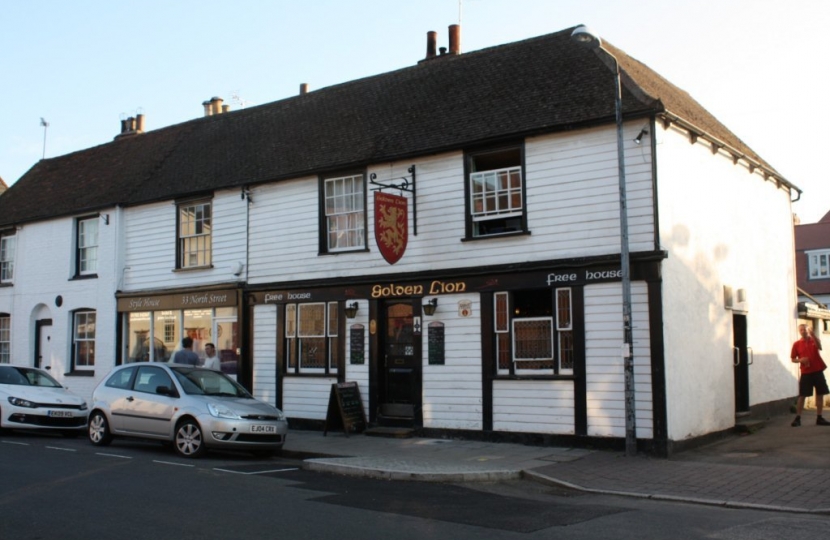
[(639, 138), (351, 310), (586, 38), (429, 307)]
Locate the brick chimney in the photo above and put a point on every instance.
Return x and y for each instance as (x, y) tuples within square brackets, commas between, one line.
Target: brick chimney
[(133, 125), (432, 44)]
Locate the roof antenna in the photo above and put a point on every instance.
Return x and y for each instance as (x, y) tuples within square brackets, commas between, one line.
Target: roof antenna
[(45, 125)]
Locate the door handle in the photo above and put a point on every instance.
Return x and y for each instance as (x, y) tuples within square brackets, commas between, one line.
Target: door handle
[(131, 398), (736, 356), (751, 356)]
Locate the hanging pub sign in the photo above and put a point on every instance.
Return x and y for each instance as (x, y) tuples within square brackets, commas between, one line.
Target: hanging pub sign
[(391, 225)]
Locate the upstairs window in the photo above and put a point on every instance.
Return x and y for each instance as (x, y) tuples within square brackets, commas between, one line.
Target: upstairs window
[(496, 193), (344, 207), (194, 234), (534, 332), (819, 264), (86, 250), (7, 245)]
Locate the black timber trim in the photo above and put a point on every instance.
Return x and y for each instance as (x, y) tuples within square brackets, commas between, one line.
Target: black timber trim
[(488, 360), (658, 368), (580, 372), (281, 360)]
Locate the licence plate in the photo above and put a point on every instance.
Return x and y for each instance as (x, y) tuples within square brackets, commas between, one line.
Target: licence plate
[(60, 414), (257, 428)]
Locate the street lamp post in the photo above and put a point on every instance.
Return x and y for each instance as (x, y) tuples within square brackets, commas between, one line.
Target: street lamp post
[(585, 37)]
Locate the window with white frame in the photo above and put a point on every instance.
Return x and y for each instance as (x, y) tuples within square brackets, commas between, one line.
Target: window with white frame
[(5, 338), (84, 340), (534, 332), (345, 213), (496, 192), (86, 242), (312, 341), (819, 264), (7, 245), (195, 227)]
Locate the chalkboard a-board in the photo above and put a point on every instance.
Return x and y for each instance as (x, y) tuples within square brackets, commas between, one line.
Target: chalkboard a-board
[(345, 409)]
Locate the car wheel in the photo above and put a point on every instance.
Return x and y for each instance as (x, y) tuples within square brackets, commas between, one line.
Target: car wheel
[(99, 429), (188, 440)]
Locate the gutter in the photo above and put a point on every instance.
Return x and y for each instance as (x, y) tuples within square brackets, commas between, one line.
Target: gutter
[(737, 155)]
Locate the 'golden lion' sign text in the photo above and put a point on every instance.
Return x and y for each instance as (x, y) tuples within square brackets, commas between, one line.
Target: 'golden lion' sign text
[(391, 225)]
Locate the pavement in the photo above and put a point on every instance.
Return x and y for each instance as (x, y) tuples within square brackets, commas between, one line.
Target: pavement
[(778, 467)]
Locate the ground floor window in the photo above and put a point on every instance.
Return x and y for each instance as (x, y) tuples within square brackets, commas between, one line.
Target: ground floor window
[(83, 342), (534, 332), (5, 339), (311, 337), (153, 336)]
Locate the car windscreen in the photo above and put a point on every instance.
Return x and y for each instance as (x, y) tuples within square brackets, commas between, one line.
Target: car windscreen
[(26, 377), (208, 382)]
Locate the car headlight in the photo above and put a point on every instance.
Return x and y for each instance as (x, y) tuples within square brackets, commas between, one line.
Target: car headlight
[(83, 406), (221, 411), (280, 415), (19, 402)]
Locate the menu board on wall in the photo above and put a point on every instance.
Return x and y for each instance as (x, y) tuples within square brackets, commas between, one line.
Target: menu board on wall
[(357, 349)]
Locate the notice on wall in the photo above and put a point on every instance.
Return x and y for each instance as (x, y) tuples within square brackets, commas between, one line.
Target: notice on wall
[(435, 343), (345, 410), (357, 348)]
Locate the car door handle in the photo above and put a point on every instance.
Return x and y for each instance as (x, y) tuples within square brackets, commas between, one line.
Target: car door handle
[(131, 398)]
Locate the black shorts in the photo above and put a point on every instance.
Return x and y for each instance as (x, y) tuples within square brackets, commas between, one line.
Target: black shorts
[(808, 381)]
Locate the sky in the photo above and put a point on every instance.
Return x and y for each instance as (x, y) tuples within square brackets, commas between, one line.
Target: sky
[(83, 65)]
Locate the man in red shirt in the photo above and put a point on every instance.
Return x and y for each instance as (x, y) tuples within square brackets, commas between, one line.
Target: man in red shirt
[(806, 353)]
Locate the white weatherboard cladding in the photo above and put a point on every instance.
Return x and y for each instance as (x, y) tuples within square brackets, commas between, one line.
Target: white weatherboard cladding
[(359, 373), (150, 245), (722, 225), (572, 201), (307, 397), (533, 406), (44, 266), (452, 392), (265, 354), (604, 374)]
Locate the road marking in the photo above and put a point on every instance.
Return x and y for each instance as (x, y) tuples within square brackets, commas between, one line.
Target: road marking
[(173, 463), (256, 472), (17, 443), (113, 455), (63, 449)]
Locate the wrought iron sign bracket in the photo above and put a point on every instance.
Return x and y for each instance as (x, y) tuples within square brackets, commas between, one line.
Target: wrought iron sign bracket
[(406, 184)]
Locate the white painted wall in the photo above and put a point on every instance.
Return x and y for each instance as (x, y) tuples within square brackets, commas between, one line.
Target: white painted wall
[(572, 202), (534, 406), (452, 394), (605, 377), (265, 354), (150, 245), (721, 225), (43, 270)]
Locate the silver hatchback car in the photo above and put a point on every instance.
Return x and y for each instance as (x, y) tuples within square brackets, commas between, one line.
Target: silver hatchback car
[(194, 408)]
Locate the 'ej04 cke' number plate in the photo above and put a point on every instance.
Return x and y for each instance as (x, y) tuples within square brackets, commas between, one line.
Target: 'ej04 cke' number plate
[(258, 428), (60, 414)]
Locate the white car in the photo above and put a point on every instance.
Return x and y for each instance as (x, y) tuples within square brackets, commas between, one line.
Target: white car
[(192, 407), (31, 399)]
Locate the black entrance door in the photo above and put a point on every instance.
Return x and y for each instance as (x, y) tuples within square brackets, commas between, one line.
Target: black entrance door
[(400, 373), (741, 359)]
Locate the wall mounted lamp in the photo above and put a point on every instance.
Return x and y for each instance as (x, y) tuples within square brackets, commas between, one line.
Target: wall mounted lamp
[(639, 138), (429, 307), (351, 310)]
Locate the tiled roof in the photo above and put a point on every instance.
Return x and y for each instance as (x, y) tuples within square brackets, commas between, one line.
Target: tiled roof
[(538, 85)]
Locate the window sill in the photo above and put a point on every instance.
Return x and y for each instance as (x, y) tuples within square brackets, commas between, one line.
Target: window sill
[(194, 268), (345, 251), (552, 377), (7, 284), (495, 236), (80, 373), (312, 375), (83, 276)]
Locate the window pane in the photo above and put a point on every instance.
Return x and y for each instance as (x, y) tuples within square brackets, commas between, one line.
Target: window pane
[(84, 340), (533, 339), (345, 217), (6, 258), (312, 320), (5, 339), (194, 235)]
